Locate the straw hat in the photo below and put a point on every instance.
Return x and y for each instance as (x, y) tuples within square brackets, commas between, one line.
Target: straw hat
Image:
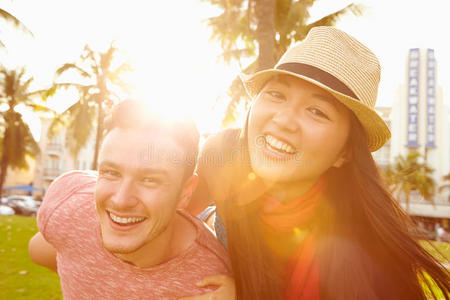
[(338, 63)]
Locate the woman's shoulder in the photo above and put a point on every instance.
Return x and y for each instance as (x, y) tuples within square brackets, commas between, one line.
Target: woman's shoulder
[(221, 140), (215, 163)]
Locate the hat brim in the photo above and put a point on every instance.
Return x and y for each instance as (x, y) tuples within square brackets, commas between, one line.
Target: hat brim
[(378, 132)]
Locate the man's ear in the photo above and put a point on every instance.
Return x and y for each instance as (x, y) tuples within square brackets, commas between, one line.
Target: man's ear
[(345, 157), (186, 192)]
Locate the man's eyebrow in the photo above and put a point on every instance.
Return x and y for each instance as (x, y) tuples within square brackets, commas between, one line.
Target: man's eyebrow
[(107, 163), (140, 170), (153, 170)]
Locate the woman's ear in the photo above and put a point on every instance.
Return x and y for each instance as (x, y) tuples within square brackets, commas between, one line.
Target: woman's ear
[(345, 157), (188, 188)]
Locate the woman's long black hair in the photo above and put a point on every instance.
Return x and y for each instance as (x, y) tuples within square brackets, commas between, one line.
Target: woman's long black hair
[(367, 248)]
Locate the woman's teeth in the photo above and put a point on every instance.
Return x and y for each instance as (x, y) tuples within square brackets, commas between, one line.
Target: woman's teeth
[(279, 145), (125, 221)]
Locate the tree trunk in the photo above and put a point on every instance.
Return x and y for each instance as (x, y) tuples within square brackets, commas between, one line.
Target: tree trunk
[(5, 158), (99, 135), (3, 166), (265, 33)]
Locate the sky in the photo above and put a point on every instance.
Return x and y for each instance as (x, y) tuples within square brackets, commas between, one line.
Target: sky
[(176, 64)]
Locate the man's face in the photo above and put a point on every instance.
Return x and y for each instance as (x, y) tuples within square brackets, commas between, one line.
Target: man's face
[(139, 188)]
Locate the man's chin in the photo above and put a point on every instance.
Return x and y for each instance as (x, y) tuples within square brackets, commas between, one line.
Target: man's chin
[(116, 248)]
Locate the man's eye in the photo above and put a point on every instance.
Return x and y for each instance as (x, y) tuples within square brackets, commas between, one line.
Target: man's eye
[(149, 180), (109, 173), (318, 113)]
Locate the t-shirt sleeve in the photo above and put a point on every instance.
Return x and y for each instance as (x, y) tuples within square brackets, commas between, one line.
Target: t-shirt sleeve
[(59, 191)]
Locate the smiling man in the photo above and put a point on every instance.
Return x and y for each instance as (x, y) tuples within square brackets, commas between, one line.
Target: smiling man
[(123, 233)]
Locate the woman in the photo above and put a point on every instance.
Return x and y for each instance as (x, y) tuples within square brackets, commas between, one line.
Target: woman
[(306, 213)]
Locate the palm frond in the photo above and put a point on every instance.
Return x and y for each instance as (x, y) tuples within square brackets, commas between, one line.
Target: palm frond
[(72, 66), (331, 19), (16, 22)]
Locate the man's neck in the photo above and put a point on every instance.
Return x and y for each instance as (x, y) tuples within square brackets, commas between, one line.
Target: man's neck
[(177, 237)]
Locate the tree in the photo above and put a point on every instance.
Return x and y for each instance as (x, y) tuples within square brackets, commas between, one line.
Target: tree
[(408, 174), (261, 31), (446, 183), (99, 78), (17, 140), (16, 23)]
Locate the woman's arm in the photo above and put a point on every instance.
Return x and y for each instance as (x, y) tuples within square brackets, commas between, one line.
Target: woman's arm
[(212, 161), (42, 252), (200, 198)]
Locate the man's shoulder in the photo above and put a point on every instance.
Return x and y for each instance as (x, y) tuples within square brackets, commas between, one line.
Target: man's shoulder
[(63, 189), (71, 181), (208, 243)]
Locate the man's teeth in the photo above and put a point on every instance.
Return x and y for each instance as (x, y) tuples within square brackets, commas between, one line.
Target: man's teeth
[(125, 220), (279, 145)]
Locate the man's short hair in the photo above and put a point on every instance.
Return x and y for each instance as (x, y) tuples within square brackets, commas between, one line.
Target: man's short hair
[(136, 114)]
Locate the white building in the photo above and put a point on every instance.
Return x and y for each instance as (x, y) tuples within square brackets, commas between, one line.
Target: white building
[(419, 121), (55, 157)]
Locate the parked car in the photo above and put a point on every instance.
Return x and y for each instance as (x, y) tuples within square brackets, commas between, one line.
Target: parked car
[(423, 233), (23, 205), (6, 210)]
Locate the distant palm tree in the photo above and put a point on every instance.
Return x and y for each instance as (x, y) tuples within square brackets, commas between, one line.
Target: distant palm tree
[(99, 77), (16, 23), (261, 31), (17, 140), (408, 174), (446, 181)]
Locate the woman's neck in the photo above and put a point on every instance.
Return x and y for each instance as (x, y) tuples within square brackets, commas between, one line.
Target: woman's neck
[(288, 191)]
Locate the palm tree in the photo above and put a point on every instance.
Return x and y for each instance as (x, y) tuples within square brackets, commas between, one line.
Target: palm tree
[(100, 76), (446, 183), (17, 140), (261, 31), (408, 174), (16, 23)]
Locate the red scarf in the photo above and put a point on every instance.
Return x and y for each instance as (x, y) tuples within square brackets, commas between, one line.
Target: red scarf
[(302, 269)]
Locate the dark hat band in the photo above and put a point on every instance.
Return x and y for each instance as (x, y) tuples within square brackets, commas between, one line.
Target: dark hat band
[(318, 75)]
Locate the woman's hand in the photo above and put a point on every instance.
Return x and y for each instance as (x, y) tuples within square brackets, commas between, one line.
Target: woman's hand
[(226, 290)]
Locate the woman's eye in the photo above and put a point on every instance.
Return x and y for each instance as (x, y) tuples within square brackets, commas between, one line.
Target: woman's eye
[(318, 113), (275, 94)]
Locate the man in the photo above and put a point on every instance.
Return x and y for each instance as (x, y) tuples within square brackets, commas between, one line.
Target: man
[(121, 234)]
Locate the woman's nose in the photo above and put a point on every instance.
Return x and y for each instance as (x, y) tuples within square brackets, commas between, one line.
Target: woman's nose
[(287, 119)]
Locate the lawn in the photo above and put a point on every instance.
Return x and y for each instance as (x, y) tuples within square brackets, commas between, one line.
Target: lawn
[(21, 279)]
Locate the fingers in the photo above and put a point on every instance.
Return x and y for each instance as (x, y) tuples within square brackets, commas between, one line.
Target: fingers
[(215, 280)]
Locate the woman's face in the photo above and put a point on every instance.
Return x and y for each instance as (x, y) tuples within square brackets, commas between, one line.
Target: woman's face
[(296, 131)]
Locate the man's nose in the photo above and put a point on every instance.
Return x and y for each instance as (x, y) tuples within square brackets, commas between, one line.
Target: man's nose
[(124, 196)]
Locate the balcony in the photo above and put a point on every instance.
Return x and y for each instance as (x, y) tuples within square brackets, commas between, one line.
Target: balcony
[(54, 149), (418, 206), (51, 173)]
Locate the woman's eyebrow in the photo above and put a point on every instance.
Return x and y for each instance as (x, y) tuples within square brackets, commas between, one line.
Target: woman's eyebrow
[(328, 99), (280, 80)]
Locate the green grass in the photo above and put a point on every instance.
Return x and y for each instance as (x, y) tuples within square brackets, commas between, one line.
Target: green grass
[(442, 248), (20, 278)]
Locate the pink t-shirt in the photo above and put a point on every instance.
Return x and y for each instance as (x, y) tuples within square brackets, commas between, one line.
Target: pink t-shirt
[(68, 220)]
